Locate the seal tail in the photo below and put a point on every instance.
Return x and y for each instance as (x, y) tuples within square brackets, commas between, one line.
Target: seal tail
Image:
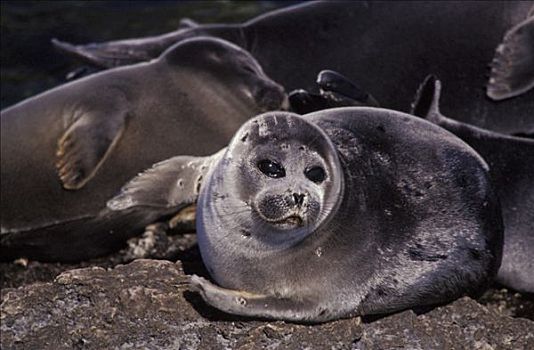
[(108, 55), (123, 52)]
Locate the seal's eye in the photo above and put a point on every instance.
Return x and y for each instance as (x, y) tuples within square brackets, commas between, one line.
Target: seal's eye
[(315, 174), (249, 69), (271, 169)]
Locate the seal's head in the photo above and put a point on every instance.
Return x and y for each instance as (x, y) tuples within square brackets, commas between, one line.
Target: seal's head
[(217, 60), (278, 181)]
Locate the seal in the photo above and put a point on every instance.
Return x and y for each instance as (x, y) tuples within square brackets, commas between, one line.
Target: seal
[(437, 38), (511, 161), (342, 212), (67, 151)]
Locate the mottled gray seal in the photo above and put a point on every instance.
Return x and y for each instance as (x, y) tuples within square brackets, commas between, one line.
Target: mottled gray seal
[(347, 211), (388, 47), (511, 162), (92, 135)]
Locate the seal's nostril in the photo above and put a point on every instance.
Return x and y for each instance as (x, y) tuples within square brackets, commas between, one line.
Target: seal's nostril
[(298, 198), (271, 97)]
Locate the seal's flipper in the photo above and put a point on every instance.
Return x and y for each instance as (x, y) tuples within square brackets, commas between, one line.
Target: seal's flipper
[(112, 54), (85, 146), (304, 102), (338, 87), (174, 182), (259, 305), (335, 89), (187, 23), (123, 52), (512, 69), (426, 103)]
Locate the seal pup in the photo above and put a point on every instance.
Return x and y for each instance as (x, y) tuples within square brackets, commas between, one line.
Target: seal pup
[(511, 162), (342, 212), (388, 47), (67, 151)]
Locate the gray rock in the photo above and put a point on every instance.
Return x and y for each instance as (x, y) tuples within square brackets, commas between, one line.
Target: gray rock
[(146, 304), (463, 324)]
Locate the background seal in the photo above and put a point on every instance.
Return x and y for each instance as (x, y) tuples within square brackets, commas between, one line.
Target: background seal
[(90, 136)]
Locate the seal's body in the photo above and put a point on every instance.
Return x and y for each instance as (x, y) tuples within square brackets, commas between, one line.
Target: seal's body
[(388, 47), (511, 163), (68, 150), (347, 211)]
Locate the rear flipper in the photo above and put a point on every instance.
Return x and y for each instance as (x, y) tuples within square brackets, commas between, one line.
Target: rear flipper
[(124, 52), (335, 90), (187, 23), (157, 242), (114, 53), (260, 305), (512, 69), (427, 105)]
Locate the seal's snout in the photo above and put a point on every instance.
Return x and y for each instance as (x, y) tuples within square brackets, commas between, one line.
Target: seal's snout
[(287, 210), (271, 97)]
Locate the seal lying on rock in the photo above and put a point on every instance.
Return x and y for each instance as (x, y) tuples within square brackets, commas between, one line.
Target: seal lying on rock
[(67, 151), (389, 47), (511, 162), (347, 211)]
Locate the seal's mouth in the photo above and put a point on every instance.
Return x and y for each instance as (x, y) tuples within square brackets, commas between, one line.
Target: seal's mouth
[(290, 221)]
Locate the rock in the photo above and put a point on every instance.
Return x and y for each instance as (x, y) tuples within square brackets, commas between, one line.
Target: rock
[(147, 304), (463, 324)]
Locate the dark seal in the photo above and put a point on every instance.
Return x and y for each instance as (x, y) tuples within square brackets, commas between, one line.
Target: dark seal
[(511, 162), (347, 211), (67, 151), (387, 47)]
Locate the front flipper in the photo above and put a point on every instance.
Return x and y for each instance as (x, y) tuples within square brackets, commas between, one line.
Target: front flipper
[(304, 102), (175, 182), (512, 69), (85, 146), (339, 88), (260, 305), (335, 90)]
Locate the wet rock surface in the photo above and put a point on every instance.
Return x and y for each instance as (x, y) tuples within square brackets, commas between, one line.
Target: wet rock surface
[(147, 304)]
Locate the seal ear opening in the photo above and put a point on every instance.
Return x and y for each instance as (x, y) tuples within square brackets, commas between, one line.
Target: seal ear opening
[(426, 103)]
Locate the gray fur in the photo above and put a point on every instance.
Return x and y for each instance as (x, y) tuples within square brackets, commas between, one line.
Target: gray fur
[(511, 162), (405, 217)]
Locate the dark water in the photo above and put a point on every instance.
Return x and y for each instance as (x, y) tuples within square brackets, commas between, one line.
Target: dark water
[(29, 63)]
